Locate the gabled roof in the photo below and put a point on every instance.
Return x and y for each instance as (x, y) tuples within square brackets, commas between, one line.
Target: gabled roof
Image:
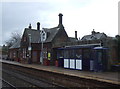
[(94, 36), (16, 45), (35, 35), (51, 33)]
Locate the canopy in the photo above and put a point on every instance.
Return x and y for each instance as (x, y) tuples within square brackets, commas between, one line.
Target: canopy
[(97, 48)]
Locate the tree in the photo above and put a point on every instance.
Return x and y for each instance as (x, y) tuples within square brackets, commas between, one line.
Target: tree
[(4, 50), (15, 36)]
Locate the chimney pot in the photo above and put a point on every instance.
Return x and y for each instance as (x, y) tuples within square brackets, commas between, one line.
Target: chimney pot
[(93, 32)]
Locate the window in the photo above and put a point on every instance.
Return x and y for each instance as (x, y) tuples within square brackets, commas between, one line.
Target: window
[(14, 54), (24, 52), (86, 54), (78, 53), (44, 53), (66, 53), (43, 36), (24, 39), (71, 53), (99, 57), (60, 54)]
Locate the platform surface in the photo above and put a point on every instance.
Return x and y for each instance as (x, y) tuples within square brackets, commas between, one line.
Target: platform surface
[(110, 77)]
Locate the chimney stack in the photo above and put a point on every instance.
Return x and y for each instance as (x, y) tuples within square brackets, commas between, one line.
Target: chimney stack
[(76, 35), (30, 26), (60, 18), (38, 26), (93, 32)]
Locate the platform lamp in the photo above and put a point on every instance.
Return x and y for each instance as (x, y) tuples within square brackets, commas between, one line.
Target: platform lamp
[(29, 49)]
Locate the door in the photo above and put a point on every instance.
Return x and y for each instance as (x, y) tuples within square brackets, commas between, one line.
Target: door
[(100, 60), (86, 59), (34, 56)]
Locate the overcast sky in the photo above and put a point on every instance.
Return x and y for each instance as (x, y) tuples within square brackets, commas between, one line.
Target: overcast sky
[(78, 15)]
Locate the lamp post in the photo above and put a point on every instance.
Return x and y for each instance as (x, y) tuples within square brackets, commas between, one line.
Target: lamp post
[(29, 49), (41, 57)]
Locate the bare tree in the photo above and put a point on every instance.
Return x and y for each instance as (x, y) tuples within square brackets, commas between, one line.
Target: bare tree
[(15, 36)]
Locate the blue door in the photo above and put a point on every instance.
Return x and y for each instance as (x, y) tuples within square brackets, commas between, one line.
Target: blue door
[(100, 59), (86, 59), (61, 62)]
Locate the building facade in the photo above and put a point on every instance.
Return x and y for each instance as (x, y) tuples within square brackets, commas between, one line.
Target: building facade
[(99, 39), (41, 45), (38, 45)]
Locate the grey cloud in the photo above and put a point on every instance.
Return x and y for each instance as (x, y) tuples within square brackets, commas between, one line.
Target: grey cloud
[(16, 16)]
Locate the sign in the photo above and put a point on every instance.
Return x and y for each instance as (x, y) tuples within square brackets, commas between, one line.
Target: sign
[(49, 55), (29, 48)]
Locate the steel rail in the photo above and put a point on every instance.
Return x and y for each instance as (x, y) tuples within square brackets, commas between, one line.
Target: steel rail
[(11, 85)]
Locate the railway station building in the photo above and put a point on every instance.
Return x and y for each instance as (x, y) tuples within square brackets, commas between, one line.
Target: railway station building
[(37, 41), (49, 46)]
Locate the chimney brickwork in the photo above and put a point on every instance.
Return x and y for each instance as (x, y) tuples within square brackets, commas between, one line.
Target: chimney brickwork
[(76, 35), (38, 26), (60, 18), (30, 27)]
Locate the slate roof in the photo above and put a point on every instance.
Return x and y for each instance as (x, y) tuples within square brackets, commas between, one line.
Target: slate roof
[(35, 35), (16, 45), (94, 36), (51, 32), (72, 39)]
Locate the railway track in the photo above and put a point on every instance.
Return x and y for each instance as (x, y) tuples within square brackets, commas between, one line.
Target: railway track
[(28, 80), (45, 79), (7, 85)]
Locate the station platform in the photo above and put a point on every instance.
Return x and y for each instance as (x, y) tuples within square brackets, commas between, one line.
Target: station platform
[(110, 77)]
